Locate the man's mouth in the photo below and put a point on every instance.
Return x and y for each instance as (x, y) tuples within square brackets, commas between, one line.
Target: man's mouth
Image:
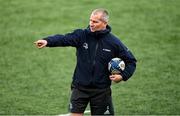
[(92, 28)]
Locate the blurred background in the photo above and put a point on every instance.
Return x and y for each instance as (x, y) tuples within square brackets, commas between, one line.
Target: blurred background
[(37, 81)]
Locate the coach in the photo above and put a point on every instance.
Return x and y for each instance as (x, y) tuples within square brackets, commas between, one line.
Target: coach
[(95, 47)]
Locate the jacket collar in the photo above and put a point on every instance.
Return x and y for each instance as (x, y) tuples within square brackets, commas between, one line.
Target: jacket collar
[(99, 33)]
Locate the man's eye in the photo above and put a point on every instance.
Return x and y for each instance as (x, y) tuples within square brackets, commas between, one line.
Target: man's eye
[(94, 21)]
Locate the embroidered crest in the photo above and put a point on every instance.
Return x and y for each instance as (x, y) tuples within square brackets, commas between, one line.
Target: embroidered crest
[(85, 45)]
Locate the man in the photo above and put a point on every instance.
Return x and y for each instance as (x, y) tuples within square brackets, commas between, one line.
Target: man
[(95, 46)]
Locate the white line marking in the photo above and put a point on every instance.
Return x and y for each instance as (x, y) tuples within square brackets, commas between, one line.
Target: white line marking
[(68, 114)]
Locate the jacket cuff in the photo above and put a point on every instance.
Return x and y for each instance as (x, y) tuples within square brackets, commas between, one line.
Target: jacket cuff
[(48, 42), (124, 77)]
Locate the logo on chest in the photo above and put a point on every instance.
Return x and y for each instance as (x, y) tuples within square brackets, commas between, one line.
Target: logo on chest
[(85, 45)]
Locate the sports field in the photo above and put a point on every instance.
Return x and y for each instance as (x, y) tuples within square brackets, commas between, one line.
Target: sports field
[(37, 81)]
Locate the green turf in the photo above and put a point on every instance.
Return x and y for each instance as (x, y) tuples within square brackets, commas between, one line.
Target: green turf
[(37, 81)]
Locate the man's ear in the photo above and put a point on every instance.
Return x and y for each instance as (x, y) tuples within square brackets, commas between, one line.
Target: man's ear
[(105, 24)]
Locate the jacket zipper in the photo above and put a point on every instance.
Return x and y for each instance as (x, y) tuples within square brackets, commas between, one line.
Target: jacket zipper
[(94, 61)]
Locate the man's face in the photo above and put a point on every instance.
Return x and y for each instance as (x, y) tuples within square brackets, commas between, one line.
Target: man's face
[(96, 23)]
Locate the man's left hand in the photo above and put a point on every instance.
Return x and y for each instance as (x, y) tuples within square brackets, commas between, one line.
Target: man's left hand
[(116, 78)]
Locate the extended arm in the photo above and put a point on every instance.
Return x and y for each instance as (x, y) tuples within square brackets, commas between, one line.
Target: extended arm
[(70, 39)]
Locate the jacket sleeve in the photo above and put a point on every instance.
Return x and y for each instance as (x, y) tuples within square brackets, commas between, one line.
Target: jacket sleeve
[(130, 61), (69, 39)]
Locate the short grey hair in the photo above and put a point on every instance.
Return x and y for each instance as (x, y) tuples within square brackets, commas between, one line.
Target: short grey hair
[(104, 12)]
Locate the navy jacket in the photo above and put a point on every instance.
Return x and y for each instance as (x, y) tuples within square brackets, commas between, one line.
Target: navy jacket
[(94, 50)]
